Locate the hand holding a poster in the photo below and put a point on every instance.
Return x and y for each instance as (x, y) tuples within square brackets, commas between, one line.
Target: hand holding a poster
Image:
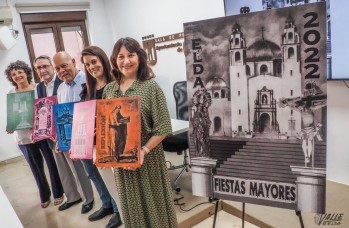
[(57, 150)]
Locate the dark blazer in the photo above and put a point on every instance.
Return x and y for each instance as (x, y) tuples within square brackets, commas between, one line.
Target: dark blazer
[(41, 89)]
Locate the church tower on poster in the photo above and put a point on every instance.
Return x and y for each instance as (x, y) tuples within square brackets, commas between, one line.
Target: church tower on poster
[(256, 73)]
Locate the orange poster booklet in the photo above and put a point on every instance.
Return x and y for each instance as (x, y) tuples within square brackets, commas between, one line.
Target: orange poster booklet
[(118, 133)]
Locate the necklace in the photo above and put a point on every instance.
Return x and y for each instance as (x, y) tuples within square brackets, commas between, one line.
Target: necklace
[(100, 86)]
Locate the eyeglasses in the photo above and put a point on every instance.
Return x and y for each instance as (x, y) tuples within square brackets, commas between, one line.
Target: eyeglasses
[(43, 67)]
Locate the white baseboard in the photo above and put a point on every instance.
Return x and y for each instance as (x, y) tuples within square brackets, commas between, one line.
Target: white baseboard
[(10, 159)]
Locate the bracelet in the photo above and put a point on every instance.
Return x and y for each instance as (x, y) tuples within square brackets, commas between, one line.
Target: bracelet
[(146, 149)]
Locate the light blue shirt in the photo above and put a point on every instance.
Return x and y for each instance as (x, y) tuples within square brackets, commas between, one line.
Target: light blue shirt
[(70, 92)]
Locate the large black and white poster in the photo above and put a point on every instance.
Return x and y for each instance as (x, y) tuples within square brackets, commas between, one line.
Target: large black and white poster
[(257, 104)]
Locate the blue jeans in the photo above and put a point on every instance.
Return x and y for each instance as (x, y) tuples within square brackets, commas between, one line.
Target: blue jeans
[(93, 173)]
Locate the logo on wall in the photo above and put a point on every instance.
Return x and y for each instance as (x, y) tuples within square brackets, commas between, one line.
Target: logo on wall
[(150, 45)]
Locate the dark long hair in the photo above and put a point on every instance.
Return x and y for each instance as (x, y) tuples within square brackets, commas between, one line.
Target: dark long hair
[(18, 65), (132, 45), (90, 80)]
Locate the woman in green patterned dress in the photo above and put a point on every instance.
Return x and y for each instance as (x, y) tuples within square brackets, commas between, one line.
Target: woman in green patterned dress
[(145, 193)]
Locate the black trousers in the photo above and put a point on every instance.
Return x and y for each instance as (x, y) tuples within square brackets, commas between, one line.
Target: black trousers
[(34, 153)]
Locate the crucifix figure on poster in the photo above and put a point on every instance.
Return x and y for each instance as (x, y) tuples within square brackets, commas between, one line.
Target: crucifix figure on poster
[(312, 100)]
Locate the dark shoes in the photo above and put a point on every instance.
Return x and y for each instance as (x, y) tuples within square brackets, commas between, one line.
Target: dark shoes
[(101, 213), (87, 207), (67, 205), (115, 221)]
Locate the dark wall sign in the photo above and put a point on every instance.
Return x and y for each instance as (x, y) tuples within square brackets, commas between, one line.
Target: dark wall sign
[(152, 44)]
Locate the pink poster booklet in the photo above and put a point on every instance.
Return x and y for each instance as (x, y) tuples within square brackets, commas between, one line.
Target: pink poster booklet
[(43, 123), (83, 130)]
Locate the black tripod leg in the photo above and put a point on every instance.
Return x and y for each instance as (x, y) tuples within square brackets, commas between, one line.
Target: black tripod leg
[(243, 215), (215, 214), (299, 214)]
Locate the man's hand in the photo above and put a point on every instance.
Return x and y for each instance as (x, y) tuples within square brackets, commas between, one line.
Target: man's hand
[(57, 150)]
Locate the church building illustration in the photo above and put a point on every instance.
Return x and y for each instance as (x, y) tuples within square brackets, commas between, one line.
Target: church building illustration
[(257, 75)]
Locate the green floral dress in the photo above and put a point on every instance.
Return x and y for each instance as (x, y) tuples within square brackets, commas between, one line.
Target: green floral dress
[(145, 194)]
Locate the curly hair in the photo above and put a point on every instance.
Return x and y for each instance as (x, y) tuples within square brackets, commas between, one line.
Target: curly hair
[(132, 45), (19, 65)]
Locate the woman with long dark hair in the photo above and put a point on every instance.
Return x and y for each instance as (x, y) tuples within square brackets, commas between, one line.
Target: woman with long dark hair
[(145, 192), (97, 69)]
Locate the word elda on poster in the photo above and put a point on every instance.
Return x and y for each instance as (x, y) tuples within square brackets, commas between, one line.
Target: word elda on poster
[(257, 102), (150, 45)]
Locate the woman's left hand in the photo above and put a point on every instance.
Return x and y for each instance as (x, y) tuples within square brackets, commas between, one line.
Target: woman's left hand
[(142, 155)]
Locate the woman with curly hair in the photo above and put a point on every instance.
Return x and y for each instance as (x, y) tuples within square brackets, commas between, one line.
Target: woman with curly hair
[(20, 75)]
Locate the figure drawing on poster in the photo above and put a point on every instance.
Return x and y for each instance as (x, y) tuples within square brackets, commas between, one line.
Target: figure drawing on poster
[(20, 110), (201, 122), (43, 124), (118, 132), (312, 100), (63, 117), (118, 129)]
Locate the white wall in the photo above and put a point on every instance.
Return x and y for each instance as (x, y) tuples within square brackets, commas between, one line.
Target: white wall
[(337, 131), (109, 20)]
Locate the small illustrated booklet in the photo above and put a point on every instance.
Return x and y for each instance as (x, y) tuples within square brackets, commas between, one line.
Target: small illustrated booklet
[(118, 137), (20, 110), (63, 117), (83, 130), (43, 122)]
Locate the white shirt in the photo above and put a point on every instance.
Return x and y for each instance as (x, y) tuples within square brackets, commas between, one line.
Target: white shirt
[(71, 92), (49, 88)]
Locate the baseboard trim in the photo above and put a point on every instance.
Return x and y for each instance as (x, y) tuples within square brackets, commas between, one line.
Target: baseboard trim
[(338, 182), (11, 159), (199, 216), (248, 218)]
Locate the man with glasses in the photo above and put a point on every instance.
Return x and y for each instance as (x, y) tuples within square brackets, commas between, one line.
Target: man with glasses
[(48, 87), (49, 81)]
